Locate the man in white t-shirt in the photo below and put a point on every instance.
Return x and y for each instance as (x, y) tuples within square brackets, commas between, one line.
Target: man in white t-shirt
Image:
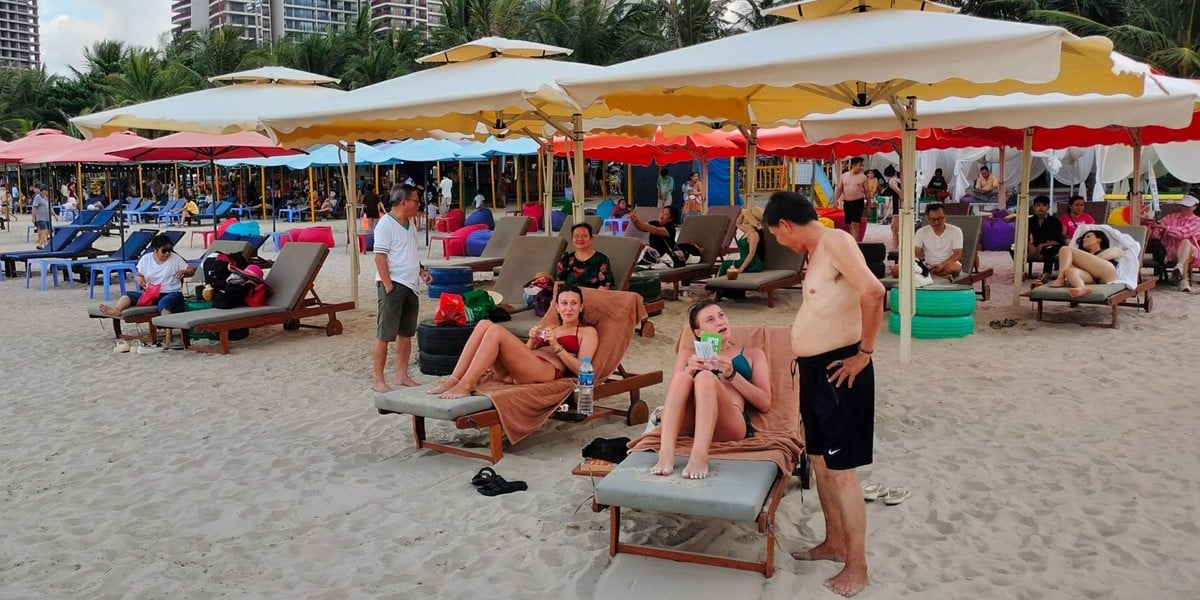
[(398, 271), (939, 244), (447, 186), (164, 268)]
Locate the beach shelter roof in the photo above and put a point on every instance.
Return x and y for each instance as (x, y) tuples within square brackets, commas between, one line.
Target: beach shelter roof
[(95, 150), (218, 110), (1166, 102), (821, 66), (36, 142), (422, 150), (203, 146), (662, 149), (492, 47), (332, 155), (495, 147)]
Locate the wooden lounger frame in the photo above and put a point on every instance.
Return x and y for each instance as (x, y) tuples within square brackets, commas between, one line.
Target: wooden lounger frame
[(310, 306), (1138, 297), (619, 382), (790, 282)]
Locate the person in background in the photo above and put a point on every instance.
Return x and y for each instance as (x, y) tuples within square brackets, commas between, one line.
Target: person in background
[(693, 195), (447, 187), (937, 186), (939, 243), (750, 243), (1074, 217), (986, 187), (1181, 236), (584, 266), (662, 232), (1093, 261), (665, 188), (41, 214), (1045, 236), (371, 208), (851, 195)]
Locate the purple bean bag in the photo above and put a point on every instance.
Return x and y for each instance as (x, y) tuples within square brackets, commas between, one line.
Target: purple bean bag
[(998, 234), (477, 240)]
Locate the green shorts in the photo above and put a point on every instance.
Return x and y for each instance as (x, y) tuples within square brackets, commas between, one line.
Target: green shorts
[(397, 312)]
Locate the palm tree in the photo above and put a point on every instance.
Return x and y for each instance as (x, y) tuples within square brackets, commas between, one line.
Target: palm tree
[(217, 52), (103, 58), (466, 20), (1163, 33), (380, 63), (145, 76)]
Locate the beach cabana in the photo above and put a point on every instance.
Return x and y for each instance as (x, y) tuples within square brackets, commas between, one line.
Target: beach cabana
[(823, 65)]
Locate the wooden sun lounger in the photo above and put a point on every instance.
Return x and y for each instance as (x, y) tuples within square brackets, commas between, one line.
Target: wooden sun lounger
[(294, 298), (783, 268), (1113, 295), (744, 490), (507, 230), (478, 411), (144, 314), (707, 230), (971, 274)]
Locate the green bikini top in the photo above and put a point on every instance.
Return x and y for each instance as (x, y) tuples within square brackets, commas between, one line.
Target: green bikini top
[(741, 365)]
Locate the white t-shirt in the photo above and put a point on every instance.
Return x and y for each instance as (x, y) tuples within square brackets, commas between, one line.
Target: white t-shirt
[(479, 200), (163, 274), (447, 187), (938, 248), (399, 243)]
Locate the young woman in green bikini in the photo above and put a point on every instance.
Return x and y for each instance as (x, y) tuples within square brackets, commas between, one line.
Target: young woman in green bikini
[(711, 399)]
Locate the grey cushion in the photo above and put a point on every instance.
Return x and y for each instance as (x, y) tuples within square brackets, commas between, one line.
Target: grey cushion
[(748, 281), (192, 318), (890, 282), (296, 266), (527, 255), (706, 230), (414, 401), (622, 253), (522, 322), (507, 229), (132, 311), (734, 490), (569, 222), (1099, 293)]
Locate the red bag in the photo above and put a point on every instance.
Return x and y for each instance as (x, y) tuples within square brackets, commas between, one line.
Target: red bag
[(451, 311), (150, 295), (259, 292)]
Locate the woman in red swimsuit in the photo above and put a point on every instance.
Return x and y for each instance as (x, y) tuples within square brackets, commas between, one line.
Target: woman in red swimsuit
[(492, 352)]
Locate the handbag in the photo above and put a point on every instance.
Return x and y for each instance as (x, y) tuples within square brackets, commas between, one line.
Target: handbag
[(150, 295)]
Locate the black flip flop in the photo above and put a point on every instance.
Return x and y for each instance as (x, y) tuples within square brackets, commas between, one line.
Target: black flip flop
[(498, 486), (484, 475)]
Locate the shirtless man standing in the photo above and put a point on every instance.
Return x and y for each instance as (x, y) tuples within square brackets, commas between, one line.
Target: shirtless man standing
[(833, 338), (851, 194)]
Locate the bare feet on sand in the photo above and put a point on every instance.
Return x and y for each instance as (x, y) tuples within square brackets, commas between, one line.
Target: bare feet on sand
[(382, 387), (821, 551), (849, 582), (1078, 292), (405, 381), (110, 311), (442, 386)]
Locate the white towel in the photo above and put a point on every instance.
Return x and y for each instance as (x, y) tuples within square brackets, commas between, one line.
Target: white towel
[(1130, 262)]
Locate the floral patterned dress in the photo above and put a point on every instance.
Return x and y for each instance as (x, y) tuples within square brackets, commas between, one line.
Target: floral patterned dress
[(594, 272)]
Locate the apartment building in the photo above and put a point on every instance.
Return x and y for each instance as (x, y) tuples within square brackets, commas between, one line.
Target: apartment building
[(406, 14), (265, 19), (20, 35)]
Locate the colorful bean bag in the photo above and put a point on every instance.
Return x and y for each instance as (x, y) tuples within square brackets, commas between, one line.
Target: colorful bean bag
[(477, 241), (451, 221), (482, 216)]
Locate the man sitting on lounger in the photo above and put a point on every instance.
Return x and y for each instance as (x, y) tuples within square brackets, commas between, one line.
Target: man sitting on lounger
[(939, 244), (986, 188), (161, 268), (662, 233), (1181, 236)]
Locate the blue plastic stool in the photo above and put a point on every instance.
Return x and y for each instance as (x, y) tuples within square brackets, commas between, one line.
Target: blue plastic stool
[(53, 265), (106, 271)]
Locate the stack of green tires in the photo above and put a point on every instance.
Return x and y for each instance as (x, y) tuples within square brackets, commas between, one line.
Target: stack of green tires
[(648, 285), (439, 346), (942, 311)]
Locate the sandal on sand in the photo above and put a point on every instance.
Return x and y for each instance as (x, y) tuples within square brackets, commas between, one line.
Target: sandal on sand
[(498, 486), (122, 346), (872, 490), (484, 475), (896, 495)]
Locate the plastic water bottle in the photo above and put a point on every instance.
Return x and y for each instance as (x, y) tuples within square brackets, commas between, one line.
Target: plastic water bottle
[(587, 379)]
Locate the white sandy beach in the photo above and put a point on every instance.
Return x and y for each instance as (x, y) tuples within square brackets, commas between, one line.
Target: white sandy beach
[(1046, 461)]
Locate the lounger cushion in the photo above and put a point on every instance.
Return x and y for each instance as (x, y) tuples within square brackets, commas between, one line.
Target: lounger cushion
[(683, 273), (890, 282), (132, 311), (414, 401), (295, 267), (735, 489), (1100, 293), (749, 281), (521, 323), (193, 318)]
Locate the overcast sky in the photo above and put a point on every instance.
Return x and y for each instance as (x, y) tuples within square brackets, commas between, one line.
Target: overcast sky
[(69, 26)]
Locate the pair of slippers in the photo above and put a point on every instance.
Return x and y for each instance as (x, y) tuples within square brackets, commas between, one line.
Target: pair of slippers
[(489, 483), (1003, 323), (890, 496)]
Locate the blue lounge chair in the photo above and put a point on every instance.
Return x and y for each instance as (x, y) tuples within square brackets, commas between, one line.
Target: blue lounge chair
[(168, 211), (100, 220), (133, 248), (58, 241), (139, 211), (218, 211), (79, 246)]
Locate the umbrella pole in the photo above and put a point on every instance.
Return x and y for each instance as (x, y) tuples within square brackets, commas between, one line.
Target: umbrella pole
[(703, 182), (262, 182), (629, 184), (577, 177), (312, 192), (461, 206), (437, 187), (1020, 248), (141, 182), (216, 192), (492, 176), (751, 164), (907, 113), (377, 179), (547, 182), (178, 191), (313, 213), (351, 229), (732, 179), (1135, 195), (275, 205)]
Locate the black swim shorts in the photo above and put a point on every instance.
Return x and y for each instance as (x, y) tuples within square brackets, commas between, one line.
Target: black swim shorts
[(853, 210), (839, 422)]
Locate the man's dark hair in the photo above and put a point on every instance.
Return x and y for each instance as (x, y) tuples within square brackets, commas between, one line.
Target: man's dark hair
[(587, 226), (1041, 200), (933, 207), (663, 173), (674, 212), (857, 160), (889, 171), (789, 206), (985, 168)]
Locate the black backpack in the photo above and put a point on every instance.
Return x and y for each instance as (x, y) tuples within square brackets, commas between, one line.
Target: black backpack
[(216, 268)]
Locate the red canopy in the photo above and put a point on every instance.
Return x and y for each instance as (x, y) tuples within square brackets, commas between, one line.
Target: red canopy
[(187, 146), (94, 150), (790, 141), (660, 149), (37, 141)]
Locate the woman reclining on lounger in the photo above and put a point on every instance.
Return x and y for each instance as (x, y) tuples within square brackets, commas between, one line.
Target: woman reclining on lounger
[(711, 399), (494, 353), (1094, 261)]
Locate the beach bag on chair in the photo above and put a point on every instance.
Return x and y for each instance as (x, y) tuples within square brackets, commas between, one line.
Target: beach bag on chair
[(479, 305), (451, 311)]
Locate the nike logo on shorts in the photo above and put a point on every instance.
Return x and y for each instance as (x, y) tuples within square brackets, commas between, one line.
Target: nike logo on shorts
[(832, 452)]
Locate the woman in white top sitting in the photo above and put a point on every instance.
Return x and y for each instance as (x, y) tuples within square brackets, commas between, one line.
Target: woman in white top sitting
[(162, 268)]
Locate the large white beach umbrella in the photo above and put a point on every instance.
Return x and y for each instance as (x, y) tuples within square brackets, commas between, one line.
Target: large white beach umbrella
[(815, 66)]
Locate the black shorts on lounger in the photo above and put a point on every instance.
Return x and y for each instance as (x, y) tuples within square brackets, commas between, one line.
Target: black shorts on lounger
[(839, 422)]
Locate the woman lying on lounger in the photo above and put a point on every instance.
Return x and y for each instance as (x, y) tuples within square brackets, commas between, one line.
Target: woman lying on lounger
[(1094, 261), (494, 353), (711, 399)]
